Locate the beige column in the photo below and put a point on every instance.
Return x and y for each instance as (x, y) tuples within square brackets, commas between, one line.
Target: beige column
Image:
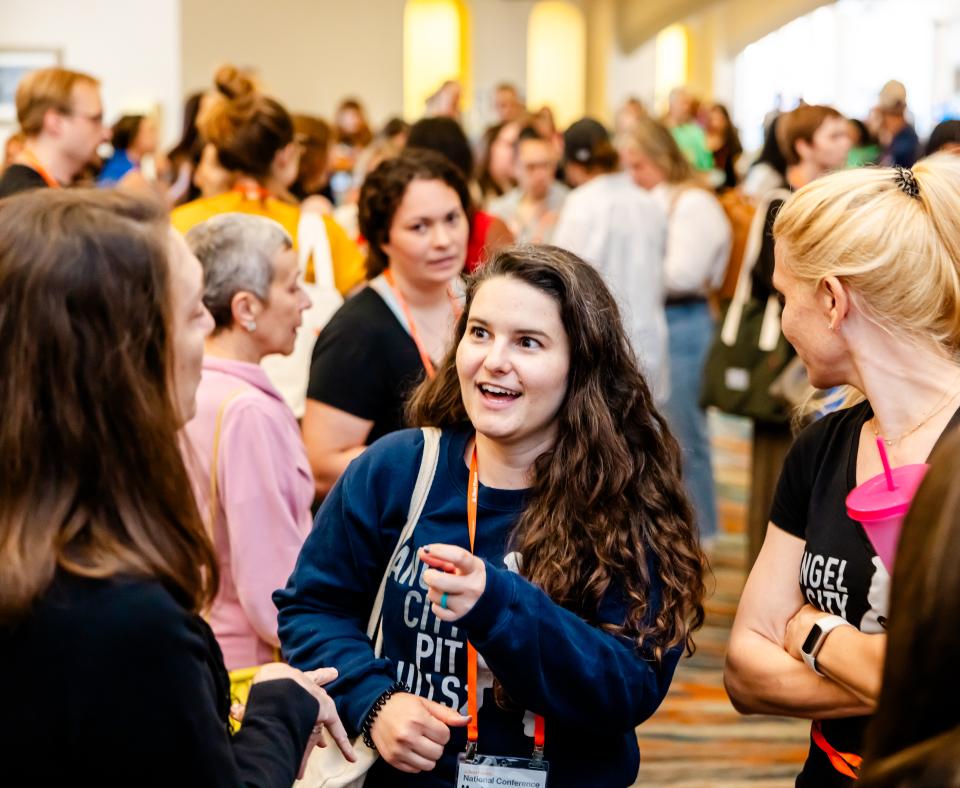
[(601, 18)]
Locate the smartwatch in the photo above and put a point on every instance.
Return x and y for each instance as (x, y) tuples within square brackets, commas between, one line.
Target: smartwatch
[(817, 637)]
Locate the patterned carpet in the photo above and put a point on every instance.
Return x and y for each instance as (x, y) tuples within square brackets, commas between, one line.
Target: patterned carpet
[(696, 738)]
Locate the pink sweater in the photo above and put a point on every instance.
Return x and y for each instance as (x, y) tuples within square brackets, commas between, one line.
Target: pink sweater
[(265, 489)]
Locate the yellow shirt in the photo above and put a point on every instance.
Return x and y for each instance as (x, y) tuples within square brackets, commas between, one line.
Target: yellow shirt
[(348, 266)]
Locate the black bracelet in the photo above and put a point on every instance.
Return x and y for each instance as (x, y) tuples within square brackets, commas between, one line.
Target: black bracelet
[(378, 704)]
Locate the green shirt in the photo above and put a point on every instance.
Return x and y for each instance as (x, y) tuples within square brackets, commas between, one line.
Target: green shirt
[(693, 143), (860, 157)]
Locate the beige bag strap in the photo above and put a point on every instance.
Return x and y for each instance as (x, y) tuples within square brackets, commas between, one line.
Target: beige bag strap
[(212, 501), (428, 469), (751, 253), (314, 242)]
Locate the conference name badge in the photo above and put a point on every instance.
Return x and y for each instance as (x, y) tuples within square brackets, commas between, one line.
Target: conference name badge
[(491, 771)]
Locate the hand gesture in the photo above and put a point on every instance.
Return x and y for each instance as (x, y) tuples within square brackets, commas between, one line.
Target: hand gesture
[(456, 580), (410, 732), (312, 681)]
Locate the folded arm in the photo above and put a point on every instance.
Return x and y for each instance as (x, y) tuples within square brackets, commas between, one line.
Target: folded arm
[(760, 675)]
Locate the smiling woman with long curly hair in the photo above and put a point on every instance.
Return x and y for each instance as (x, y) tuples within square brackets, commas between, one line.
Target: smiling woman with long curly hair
[(577, 586), (607, 496)]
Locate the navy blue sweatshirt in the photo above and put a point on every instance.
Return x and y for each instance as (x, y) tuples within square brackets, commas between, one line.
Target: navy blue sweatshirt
[(592, 688)]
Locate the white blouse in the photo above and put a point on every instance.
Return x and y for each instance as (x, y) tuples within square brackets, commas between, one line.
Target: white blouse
[(619, 229), (698, 239)]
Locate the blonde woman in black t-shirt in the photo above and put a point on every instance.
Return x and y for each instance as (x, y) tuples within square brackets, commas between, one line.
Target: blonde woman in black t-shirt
[(867, 263)]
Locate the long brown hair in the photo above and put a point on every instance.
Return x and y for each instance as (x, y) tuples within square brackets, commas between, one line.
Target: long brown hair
[(607, 497), (92, 481), (914, 717)]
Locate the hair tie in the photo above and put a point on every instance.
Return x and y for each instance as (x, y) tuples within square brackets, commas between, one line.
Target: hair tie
[(907, 182)]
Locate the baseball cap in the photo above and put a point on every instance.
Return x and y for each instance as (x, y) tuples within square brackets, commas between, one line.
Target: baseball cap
[(581, 138)]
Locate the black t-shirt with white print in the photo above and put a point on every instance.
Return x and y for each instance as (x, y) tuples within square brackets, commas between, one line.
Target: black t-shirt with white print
[(840, 572)]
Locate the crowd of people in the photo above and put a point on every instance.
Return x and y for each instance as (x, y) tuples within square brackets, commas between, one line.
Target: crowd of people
[(394, 441)]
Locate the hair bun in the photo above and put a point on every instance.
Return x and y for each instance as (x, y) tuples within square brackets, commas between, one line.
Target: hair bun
[(233, 83)]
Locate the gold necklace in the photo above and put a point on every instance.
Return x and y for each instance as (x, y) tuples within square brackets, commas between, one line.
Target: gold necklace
[(941, 404)]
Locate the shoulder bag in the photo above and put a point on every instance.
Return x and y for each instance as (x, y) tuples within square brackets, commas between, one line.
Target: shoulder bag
[(750, 352), (327, 768)]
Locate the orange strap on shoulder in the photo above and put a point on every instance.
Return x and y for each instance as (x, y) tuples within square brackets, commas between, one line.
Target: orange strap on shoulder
[(847, 763), (414, 333), (29, 159)]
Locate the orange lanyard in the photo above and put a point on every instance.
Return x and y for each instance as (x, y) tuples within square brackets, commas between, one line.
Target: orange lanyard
[(473, 730), (252, 190), (30, 160), (847, 763), (414, 334)]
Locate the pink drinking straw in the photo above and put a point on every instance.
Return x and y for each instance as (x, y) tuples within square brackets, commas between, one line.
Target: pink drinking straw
[(886, 465)]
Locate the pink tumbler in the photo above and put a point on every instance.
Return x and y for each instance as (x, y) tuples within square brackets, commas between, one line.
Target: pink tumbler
[(881, 503)]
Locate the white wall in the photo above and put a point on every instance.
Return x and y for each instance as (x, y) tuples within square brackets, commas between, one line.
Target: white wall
[(632, 75), (499, 52), (312, 53), (308, 53), (132, 47)]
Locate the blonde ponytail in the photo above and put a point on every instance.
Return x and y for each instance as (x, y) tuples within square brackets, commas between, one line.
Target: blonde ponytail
[(899, 253)]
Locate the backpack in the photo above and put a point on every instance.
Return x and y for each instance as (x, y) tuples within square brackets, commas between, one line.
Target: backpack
[(749, 353)]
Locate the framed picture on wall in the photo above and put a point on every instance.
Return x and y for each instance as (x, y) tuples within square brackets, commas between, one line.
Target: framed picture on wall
[(14, 64)]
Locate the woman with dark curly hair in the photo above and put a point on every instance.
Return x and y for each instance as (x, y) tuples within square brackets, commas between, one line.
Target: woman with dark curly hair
[(556, 512), (488, 233), (380, 343)]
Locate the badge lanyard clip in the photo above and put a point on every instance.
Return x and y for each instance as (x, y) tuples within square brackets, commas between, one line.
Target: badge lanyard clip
[(538, 741), (471, 752)]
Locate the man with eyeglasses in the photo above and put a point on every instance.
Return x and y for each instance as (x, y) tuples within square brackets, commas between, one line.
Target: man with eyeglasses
[(61, 116)]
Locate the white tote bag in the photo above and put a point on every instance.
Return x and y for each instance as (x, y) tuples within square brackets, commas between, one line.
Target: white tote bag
[(290, 374), (327, 768)]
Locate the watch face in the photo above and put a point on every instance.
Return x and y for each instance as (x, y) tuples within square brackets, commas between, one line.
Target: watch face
[(811, 640)]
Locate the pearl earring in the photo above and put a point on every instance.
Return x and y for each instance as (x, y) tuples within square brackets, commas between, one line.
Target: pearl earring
[(250, 325)]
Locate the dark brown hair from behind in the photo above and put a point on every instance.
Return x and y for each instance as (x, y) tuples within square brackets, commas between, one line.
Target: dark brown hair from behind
[(92, 481), (446, 137), (314, 135), (923, 645), (606, 504), (125, 131), (384, 189), (247, 128)]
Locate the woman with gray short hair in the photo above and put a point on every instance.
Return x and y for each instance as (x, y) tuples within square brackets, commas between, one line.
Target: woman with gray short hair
[(247, 462)]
